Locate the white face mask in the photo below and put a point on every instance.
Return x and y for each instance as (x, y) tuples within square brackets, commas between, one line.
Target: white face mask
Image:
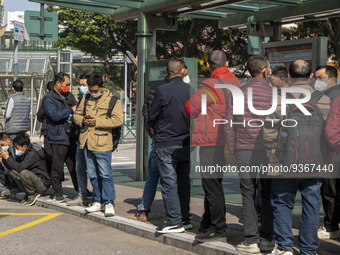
[(18, 152), (5, 148), (320, 85), (186, 79)]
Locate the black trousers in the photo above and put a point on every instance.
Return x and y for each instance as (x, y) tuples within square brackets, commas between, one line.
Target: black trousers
[(249, 189), (214, 201), (63, 154), (28, 182), (330, 194)]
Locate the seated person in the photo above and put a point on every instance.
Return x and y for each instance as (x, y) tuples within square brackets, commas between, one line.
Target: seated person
[(28, 169), (7, 145)]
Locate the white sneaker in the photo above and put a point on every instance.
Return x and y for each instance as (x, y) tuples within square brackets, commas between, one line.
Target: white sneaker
[(96, 207), (109, 210), (248, 248), (324, 234), (277, 251)]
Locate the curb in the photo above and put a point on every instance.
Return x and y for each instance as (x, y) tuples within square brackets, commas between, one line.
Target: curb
[(180, 240)]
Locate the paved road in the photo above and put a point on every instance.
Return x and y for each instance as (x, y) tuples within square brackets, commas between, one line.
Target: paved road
[(36, 230)]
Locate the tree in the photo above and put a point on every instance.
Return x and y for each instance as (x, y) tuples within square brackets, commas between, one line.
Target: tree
[(98, 36)]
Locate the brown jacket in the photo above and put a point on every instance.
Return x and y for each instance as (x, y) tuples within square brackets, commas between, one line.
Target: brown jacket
[(99, 137)]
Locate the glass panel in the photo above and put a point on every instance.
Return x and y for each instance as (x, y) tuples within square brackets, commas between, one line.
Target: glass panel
[(36, 66)]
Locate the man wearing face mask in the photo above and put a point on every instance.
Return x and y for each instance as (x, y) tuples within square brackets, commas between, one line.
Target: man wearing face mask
[(81, 199), (96, 141), (246, 143), (59, 105), (27, 169), (17, 111), (7, 145), (330, 191)]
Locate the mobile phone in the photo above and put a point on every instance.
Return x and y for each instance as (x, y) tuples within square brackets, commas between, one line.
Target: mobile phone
[(87, 117), (1, 148)]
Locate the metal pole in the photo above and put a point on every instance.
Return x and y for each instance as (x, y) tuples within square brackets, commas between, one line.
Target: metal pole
[(125, 93), (32, 99), (15, 64), (130, 101), (142, 35), (38, 105)]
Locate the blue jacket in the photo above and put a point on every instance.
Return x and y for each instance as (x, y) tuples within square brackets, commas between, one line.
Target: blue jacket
[(167, 114), (56, 116)]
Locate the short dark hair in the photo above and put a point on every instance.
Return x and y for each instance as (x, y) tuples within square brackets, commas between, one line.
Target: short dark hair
[(330, 71), (217, 59), (83, 76), (280, 71), (60, 77), (256, 64), (18, 85), (4, 136), (95, 79), (50, 85), (22, 139), (300, 69), (175, 66)]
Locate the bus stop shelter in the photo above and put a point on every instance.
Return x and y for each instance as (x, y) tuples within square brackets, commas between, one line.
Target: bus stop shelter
[(255, 16)]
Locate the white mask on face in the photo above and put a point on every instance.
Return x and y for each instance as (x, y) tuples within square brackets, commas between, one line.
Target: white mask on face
[(186, 79), (5, 148), (320, 85), (18, 152)]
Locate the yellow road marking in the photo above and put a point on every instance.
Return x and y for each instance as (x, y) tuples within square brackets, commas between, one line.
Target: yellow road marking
[(33, 223)]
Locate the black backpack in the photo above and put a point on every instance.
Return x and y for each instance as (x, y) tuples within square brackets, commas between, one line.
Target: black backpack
[(305, 143), (116, 132)]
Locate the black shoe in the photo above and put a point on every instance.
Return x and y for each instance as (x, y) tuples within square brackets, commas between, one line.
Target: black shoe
[(31, 199), (177, 228), (210, 235), (59, 199), (24, 201)]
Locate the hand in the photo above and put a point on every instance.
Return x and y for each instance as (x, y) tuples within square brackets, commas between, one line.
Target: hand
[(152, 130), (89, 122), (2, 111), (4, 154), (74, 108)]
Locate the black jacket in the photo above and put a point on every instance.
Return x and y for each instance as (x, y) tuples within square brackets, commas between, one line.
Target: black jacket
[(32, 161), (148, 101), (167, 114), (41, 117), (333, 92)]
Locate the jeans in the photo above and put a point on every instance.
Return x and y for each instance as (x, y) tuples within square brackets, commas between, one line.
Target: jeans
[(100, 171), (151, 182), (81, 172), (249, 188), (174, 167), (283, 199)]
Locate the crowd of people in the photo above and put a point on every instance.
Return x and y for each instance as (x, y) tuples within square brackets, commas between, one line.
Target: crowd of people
[(78, 133)]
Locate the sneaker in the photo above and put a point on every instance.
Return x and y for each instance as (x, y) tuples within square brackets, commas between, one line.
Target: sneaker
[(277, 251), (96, 207), (186, 225), (177, 228), (59, 199), (324, 234), (109, 210), (5, 193), (24, 201), (210, 235), (31, 199), (78, 201), (248, 248), (265, 245), (142, 215)]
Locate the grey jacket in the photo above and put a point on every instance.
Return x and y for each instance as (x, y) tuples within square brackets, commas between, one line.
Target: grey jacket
[(19, 120)]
